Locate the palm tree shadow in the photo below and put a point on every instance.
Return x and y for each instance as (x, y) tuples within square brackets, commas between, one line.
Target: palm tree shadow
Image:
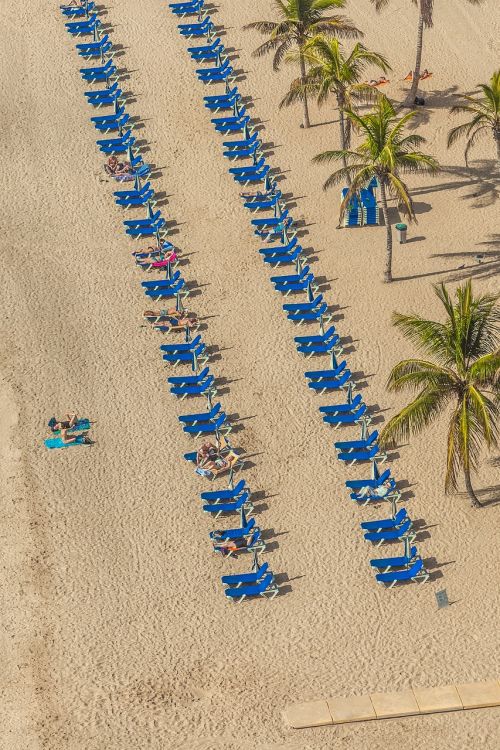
[(488, 497)]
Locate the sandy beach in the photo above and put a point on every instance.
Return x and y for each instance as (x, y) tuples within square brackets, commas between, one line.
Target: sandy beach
[(115, 631)]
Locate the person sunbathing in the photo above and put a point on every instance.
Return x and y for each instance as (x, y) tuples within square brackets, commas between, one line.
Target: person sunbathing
[(61, 424), (425, 74), (115, 168), (380, 82), (409, 76), (229, 547)]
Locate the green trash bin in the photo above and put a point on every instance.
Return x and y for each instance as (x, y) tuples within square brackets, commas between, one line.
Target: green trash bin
[(401, 233)]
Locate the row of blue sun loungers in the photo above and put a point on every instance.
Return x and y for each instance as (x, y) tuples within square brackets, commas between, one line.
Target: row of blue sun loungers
[(232, 117), (193, 352)]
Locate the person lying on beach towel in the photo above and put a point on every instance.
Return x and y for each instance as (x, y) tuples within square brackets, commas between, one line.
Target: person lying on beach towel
[(425, 74), (57, 425), (117, 169), (380, 82)]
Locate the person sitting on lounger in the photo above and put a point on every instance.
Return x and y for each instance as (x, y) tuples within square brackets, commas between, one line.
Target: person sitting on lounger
[(425, 74), (115, 168), (208, 457), (62, 424)]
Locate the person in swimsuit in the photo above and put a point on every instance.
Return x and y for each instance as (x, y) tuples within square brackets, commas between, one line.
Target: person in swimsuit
[(115, 168)]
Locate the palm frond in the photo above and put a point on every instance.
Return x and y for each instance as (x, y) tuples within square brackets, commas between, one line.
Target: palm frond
[(413, 418)]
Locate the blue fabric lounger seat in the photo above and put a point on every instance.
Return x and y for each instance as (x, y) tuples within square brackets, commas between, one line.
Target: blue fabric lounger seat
[(208, 428), (217, 509), (185, 356), (233, 534), (264, 223), (384, 564), (331, 384), (181, 346), (231, 493), (254, 176), (203, 49), (189, 379), (176, 276), (309, 350), (94, 49), (416, 572), (390, 535), (285, 258), (345, 446), (203, 388), (263, 202), (342, 408), (387, 491), (360, 484), (299, 286), (238, 579), (353, 214), (138, 200), (303, 316), (204, 416), (265, 588), (386, 523), (290, 278), (72, 11), (345, 418), (320, 375), (363, 454)]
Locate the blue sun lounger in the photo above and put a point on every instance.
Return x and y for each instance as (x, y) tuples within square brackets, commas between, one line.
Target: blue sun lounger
[(384, 564), (243, 143), (238, 579), (351, 445), (133, 192), (368, 454), (350, 417), (99, 73), (376, 494), (146, 231), (251, 152), (208, 428), (105, 98), (255, 543), (234, 126), (391, 535), (290, 278), (166, 292), (415, 572), (231, 493), (200, 389), (185, 346), (177, 357), (204, 416), (359, 484), (255, 167), (222, 101), (279, 249), (263, 202), (226, 535), (201, 52), (112, 122), (286, 258), (265, 588), (116, 145), (205, 74), (71, 11), (318, 338), (94, 49), (217, 509), (163, 283), (311, 350), (202, 28), (87, 26), (189, 379), (262, 224), (137, 200), (103, 120), (299, 286), (332, 383), (342, 408), (186, 9), (57, 442), (146, 221), (386, 523), (295, 307), (225, 123)]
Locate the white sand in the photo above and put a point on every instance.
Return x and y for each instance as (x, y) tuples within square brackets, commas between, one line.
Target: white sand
[(115, 631)]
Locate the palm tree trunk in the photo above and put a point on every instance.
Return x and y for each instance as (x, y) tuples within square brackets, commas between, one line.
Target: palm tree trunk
[(496, 135), (307, 123), (385, 214), (343, 139), (470, 491), (410, 100)]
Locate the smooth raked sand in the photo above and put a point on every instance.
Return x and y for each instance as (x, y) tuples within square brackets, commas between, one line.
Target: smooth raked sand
[(115, 632)]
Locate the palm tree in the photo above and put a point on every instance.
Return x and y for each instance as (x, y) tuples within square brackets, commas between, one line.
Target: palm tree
[(425, 20), (386, 153), (465, 376), (332, 72), (485, 113), (299, 20)]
